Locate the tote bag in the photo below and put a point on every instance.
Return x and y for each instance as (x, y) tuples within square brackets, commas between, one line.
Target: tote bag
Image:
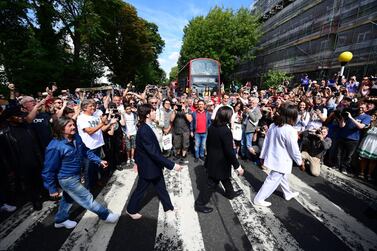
[(167, 141), (237, 131)]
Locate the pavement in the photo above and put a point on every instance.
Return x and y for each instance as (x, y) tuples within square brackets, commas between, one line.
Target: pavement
[(332, 212)]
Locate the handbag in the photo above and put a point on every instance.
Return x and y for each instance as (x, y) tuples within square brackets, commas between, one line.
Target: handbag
[(167, 141), (237, 131)]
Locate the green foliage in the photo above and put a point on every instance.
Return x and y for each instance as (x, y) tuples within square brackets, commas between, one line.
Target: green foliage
[(173, 75), (71, 41), (275, 78), (224, 35)]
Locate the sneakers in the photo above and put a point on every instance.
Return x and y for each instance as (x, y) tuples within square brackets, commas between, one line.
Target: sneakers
[(68, 224), (7, 208), (135, 216), (344, 172), (262, 203), (196, 160), (295, 194), (112, 218), (203, 159)]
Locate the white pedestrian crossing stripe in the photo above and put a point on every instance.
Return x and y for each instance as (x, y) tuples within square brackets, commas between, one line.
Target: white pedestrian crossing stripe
[(92, 233), (182, 229), (352, 232), (26, 226), (350, 185), (263, 229)]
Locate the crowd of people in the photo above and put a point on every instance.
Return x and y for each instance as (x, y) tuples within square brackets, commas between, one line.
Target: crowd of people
[(336, 126)]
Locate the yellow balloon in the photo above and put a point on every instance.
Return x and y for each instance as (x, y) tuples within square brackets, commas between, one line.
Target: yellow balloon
[(345, 57)]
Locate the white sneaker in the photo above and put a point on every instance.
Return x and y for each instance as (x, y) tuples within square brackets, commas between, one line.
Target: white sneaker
[(112, 218), (67, 224), (8, 208), (262, 203), (134, 216), (295, 194)]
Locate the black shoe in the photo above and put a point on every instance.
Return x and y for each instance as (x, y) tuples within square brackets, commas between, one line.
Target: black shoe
[(119, 167), (196, 160), (176, 157), (203, 209), (234, 194), (203, 159)]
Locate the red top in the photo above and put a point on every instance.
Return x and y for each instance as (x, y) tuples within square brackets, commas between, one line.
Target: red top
[(201, 122)]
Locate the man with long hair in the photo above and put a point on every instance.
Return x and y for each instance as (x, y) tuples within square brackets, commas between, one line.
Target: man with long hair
[(279, 149), (62, 165)]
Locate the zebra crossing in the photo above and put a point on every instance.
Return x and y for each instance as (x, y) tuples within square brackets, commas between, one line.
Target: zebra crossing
[(312, 220)]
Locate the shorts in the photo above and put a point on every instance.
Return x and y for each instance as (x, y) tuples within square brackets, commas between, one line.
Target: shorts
[(131, 142), (181, 141)]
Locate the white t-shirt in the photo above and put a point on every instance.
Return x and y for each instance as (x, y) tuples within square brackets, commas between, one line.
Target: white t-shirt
[(91, 141), (98, 113), (130, 123)]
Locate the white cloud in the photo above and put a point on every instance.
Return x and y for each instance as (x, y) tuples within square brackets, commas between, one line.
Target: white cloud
[(174, 56)]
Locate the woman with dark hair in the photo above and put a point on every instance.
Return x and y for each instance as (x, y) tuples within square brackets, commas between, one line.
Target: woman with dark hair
[(149, 162), (236, 125), (279, 149), (220, 159), (62, 165)]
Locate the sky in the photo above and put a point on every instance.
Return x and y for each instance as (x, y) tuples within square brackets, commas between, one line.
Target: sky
[(171, 16)]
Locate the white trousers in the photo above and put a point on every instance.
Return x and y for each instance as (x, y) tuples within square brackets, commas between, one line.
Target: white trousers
[(273, 180)]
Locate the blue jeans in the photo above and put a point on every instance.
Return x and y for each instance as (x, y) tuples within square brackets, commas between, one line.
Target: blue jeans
[(73, 190), (246, 143), (200, 142), (91, 170)]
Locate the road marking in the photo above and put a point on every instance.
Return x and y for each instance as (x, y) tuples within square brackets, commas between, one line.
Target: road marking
[(91, 233), (350, 185), (181, 229), (26, 226), (15, 219), (262, 228), (348, 229)]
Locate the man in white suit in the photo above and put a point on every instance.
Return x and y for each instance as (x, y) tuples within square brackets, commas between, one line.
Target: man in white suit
[(279, 151)]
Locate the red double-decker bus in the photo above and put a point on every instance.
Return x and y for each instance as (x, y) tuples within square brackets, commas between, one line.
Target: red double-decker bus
[(201, 75)]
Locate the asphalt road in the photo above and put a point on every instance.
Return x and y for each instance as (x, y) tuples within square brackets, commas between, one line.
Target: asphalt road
[(332, 212)]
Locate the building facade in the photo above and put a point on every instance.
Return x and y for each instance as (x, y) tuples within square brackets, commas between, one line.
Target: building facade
[(306, 36)]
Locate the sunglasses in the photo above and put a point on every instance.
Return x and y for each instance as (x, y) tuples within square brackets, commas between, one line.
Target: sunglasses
[(154, 103)]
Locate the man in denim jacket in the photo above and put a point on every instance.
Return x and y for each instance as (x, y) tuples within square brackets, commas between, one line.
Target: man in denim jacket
[(62, 165)]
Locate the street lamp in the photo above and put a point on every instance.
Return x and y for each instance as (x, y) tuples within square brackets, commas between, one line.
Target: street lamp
[(344, 58)]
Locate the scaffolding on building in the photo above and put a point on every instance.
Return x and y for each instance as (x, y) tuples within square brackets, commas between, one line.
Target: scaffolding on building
[(306, 36)]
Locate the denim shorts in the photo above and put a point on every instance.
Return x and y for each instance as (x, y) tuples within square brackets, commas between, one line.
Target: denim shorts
[(131, 142)]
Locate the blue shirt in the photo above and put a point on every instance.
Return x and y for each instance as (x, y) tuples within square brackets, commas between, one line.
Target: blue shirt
[(350, 130), (63, 159)]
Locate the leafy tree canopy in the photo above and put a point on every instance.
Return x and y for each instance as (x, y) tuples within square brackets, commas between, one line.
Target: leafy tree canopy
[(275, 78), (173, 73), (225, 35), (71, 41)]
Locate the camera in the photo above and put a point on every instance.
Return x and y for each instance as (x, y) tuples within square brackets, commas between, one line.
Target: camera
[(179, 108)]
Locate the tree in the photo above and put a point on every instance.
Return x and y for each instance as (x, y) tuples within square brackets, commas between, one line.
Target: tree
[(275, 78), (224, 35), (71, 41), (173, 73), (129, 44)]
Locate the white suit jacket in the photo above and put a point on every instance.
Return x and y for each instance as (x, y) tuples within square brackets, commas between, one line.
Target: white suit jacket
[(280, 148)]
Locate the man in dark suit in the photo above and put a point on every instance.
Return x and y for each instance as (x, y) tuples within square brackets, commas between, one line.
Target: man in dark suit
[(219, 161), (150, 163)]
